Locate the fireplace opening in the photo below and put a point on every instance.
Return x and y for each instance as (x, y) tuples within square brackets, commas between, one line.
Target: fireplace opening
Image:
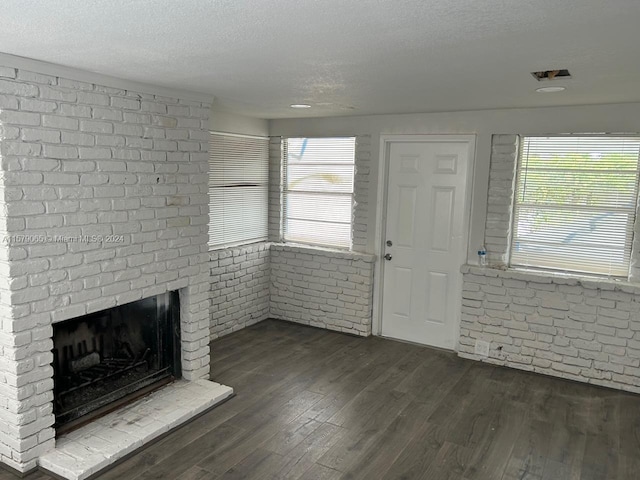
[(105, 359)]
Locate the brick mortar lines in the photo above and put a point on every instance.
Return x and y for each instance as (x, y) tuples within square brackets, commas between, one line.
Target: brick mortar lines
[(275, 189), (502, 174), (582, 329), (82, 159), (321, 287), (271, 280), (360, 221), (239, 287)]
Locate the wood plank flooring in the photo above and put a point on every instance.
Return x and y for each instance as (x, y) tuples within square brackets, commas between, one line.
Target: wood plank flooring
[(319, 405)]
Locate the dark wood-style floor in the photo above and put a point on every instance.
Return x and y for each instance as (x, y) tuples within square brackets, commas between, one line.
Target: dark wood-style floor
[(319, 405)]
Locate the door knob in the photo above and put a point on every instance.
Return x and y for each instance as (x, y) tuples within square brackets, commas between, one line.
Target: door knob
[(388, 256)]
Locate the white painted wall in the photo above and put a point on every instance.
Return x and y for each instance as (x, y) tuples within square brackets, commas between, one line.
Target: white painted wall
[(593, 118), (232, 123)]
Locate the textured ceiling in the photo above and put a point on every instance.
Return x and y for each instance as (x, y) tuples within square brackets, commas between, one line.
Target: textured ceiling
[(344, 57)]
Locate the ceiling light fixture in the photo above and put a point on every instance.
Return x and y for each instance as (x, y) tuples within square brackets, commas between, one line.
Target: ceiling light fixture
[(550, 89), (300, 105)]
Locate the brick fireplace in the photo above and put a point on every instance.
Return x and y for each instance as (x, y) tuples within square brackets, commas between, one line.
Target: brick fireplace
[(104, 202), (107, 359)]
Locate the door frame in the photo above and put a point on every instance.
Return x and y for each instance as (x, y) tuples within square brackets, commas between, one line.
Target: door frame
[(381, 215)]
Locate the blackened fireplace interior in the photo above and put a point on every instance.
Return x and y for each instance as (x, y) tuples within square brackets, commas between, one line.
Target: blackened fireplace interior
[(105, 359)]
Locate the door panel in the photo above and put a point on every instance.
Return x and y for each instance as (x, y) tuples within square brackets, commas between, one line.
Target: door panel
[(425, 224), (406, 215), (402, 298), (442, 210), (437, 286)]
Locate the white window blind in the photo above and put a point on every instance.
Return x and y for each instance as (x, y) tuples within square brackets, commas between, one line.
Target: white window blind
[(575, 203), (238, 189), (318, 190)]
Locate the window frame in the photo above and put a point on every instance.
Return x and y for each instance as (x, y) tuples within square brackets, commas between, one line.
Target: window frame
[(561, 270), (284, 190)]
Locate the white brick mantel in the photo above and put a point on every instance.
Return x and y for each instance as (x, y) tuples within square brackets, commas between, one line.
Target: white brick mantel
[(104, 201)]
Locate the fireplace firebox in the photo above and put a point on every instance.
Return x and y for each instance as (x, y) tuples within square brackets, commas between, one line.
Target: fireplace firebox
[(105, 359)]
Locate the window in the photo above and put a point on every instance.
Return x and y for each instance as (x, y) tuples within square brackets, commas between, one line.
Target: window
[(238, 189), (575, 203), (318, 190)]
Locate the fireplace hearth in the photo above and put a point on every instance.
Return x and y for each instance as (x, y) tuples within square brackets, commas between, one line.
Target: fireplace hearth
[(105, 359)]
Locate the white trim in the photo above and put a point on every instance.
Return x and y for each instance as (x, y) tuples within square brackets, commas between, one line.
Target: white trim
[(240, 135), (71, 73), (385, 141)]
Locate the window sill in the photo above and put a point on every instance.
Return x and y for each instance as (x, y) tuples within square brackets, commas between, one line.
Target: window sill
[(222, 252), (333, 252), (559, 278), (249, 244)]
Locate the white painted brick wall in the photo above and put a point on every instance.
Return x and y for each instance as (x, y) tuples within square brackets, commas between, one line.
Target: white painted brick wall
[(309, 285), (321, 287), (360, 219), (80, 160), (504, 158), (275, 189), (239, 287), (582, 329)]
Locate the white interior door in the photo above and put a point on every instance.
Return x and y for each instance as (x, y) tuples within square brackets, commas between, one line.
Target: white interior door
[(425, 231)]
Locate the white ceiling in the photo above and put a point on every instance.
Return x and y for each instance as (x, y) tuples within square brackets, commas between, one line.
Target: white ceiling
[(343, 56)]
